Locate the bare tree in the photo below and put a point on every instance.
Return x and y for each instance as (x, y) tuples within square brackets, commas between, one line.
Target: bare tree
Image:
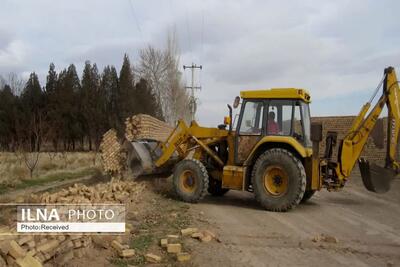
[(161, 70), (153, 67), (2, 82), (16, 83), (30, 138)]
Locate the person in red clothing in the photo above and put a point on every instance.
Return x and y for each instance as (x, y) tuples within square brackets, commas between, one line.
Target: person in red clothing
[(273, 126)]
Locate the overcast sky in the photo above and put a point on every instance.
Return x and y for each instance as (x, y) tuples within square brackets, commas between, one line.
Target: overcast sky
[(335, 49)]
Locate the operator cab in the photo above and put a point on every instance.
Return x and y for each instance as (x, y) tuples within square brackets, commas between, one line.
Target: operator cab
[(274, 112)]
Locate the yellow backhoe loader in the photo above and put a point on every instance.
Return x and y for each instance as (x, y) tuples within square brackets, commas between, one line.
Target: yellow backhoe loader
[(273, 150)]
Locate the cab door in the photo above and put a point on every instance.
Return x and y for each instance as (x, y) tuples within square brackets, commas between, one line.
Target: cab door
[(250, 128)]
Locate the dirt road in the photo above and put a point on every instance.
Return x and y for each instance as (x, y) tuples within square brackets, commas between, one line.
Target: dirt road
[(366, 225)]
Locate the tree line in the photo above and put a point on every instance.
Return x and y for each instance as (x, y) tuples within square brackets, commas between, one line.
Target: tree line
[(70, 113)]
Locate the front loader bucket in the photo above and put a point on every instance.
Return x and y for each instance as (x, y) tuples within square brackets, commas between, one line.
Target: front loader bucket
[(375, 178), (140, 158)]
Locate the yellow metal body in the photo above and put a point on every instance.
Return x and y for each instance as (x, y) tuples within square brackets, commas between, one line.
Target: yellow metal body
[(292, 142), (198, 142), (184, 139), (357, 137), (278, 93), (233, 177)]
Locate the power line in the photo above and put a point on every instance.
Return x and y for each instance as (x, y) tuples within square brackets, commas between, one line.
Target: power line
[(202, 36), (193, 100), (135, 19), (202, 43), (188, 31)]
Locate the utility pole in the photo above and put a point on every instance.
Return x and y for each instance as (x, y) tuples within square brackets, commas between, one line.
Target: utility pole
[(192, 102)]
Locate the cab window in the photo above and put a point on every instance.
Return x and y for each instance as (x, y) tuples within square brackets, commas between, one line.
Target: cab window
[(252, 118), (279, 117)]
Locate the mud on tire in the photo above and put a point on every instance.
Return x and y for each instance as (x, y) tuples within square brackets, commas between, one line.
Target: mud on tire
[(293, 170), (190, 180)]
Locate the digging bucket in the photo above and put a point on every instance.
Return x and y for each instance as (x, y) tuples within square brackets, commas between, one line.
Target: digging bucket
[(141, 157), (375, 178)]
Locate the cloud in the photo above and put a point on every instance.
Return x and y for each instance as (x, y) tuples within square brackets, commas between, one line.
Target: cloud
[(12, 56), (335, 49)]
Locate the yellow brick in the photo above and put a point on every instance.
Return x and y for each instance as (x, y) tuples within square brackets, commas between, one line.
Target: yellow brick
[(24, 239), (31, 244), (206, 238), (117, 246), (183, 256), (189, 231), (28, 261), (174, 248), (197, 235), (152, 258), (49, 246), (16, 251), (164, 242), (127, 253)]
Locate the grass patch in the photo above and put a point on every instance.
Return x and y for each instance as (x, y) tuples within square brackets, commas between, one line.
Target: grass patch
[(142, 242), (58, 176), (118, 262), (138, 260)]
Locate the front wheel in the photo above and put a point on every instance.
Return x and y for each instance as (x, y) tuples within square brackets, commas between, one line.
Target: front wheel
[(190, 180), (279, 180)]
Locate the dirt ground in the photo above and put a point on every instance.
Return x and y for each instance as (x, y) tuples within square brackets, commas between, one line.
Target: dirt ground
[(366, 225)]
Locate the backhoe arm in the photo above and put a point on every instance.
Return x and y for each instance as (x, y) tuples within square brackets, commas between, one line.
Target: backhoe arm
[(393, 102), (361, 129)]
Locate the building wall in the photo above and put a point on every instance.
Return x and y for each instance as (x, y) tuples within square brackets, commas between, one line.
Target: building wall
[(373, 151)]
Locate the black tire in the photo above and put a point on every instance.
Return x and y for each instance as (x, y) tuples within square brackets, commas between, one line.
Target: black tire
[(215, 188), (295, 174), (307, 195), (190, 180)]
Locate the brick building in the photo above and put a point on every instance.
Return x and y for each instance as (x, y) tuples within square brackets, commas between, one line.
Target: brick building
[(374, 150)]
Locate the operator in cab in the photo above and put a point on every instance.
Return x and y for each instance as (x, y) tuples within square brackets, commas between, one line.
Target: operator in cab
[(273, 126)]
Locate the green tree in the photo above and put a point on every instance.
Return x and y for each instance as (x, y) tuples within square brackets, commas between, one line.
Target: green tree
[(8, 103), (30, 123), (51, 80), (125, 96), (146, 100), (93, 104), (52, 108), (68, 103), (110, 88)]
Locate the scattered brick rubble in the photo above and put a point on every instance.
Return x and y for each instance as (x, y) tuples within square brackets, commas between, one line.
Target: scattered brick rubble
[(59, 249), (35, 250), (172, 245)]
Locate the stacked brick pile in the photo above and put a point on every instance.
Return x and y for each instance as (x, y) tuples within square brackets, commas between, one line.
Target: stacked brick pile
[(138, 127), (143, 126), (111, 153), (33, 251)]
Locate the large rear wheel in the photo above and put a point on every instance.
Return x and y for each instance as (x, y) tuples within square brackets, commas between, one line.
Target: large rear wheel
[(279, 180), (190, 180)]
